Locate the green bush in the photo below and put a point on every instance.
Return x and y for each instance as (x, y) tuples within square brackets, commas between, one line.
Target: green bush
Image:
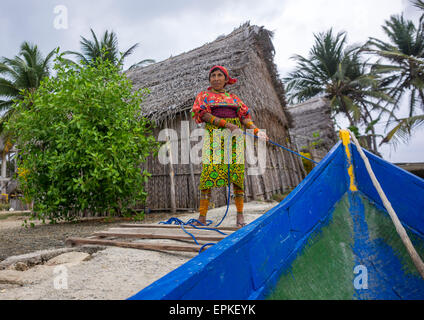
[(81, 143)]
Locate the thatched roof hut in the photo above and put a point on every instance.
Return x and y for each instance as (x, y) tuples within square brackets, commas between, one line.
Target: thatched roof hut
[(174, 83), (247, 52), (313, 128)]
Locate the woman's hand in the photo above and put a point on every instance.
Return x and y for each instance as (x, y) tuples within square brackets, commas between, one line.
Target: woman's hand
[(262, 135)]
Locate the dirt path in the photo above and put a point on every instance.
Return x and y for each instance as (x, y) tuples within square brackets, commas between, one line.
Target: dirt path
[(110, 273)]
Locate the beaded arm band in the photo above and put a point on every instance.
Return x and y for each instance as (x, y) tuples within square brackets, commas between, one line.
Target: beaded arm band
[(249, 126), (221, 122), (212, 120)]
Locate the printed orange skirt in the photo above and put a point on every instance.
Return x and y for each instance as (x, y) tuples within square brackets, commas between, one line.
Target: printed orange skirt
[(216, 157)]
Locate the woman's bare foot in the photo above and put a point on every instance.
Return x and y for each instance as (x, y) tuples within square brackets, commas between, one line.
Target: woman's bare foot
[(201, 219), (240, 220)]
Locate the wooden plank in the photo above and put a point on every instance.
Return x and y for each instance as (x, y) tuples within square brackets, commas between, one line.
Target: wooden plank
[(168, 230), (169, 209), (179, 235), (144, 246), (171, 226), (182, 236)]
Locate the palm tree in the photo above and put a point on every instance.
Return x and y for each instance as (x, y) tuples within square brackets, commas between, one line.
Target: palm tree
[(337, 72), (21, 74), (24, 72), (106, 48), (403, 72)]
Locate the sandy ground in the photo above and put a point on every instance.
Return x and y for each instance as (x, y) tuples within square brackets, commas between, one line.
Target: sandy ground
[(109, 274)]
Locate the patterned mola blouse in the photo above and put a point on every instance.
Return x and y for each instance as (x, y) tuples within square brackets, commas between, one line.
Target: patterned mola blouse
[(223, 105)]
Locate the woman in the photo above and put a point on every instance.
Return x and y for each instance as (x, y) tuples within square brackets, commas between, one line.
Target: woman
[(222, 110)]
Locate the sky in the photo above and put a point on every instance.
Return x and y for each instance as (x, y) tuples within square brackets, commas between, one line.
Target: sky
[(165, 28)]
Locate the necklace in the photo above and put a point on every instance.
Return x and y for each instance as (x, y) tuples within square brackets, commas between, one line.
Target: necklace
[(219, 91)]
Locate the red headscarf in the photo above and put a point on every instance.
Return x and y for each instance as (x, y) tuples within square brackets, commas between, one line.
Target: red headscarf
[(224, 71)]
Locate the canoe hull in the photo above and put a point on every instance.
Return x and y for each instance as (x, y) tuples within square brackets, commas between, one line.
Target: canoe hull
[(249, 263)]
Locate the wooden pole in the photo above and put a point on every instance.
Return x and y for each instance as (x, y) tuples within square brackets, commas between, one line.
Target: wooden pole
[(274, 182), (280, 173), (193, 182), (283, 168), (289, 167), (171, 174)]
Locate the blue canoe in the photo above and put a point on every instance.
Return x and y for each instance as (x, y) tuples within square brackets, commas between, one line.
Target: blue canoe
[(324, 241)]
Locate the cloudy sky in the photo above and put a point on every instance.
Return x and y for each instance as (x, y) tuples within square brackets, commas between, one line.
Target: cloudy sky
[(170, 27)]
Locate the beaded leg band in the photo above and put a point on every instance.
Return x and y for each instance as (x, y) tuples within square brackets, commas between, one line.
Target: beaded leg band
[(205, 196), (239, 199)]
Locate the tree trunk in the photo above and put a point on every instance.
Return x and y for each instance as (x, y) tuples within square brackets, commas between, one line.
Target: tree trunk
[(373, 138), (346, 112), (3, 171), (421, 94)]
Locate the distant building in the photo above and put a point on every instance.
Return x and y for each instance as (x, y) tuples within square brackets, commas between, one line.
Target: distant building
[(313, 128), (416, 168)]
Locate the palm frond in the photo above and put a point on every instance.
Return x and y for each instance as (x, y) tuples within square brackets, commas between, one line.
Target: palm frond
[(404, 129), (128, 52), (8, 71), (418, 4), (45, 64), (142, 63), (8, 88), (5, 105), (79, 55)]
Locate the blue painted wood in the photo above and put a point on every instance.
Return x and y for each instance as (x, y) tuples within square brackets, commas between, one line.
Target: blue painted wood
[(387, 276), (247, 264), (404, 190)]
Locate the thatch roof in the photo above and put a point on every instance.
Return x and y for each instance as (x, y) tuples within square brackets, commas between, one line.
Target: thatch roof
[(313, 117), (248, 54)]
